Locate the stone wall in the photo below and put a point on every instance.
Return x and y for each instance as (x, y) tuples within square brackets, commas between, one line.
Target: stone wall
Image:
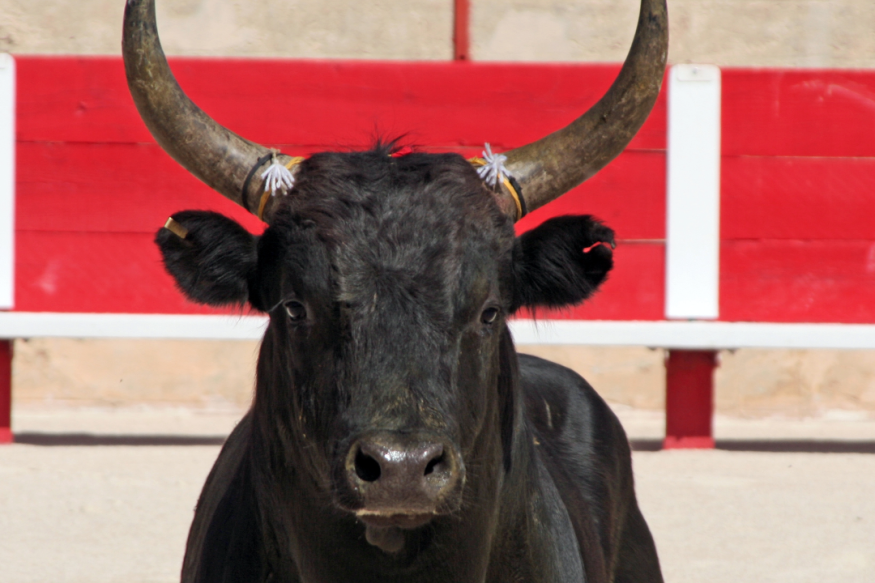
[(757, 33), (785, 33), (213, 374)]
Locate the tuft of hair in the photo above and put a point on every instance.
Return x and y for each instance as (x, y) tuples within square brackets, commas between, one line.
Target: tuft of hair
[(216, 261), (384, 146), (561, 262)]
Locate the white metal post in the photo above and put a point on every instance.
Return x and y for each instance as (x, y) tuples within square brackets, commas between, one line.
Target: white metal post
[(7, 181), (693, 205)]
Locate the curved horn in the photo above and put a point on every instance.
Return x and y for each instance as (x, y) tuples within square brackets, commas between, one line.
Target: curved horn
[(214, 154), (555, 164)]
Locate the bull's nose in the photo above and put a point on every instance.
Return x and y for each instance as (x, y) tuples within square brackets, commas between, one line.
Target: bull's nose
[(374, 461), (402, 475)]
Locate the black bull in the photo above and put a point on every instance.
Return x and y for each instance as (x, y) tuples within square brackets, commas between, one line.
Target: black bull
[(395, 434)]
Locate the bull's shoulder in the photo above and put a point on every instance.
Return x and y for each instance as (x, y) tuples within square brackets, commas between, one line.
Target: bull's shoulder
[(578, 436), (584, 447), (563, 408), (225, 539)]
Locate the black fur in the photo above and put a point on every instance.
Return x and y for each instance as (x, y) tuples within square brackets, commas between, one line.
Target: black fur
[(216, 261), (551, 268), (233, 547), (395, 267)]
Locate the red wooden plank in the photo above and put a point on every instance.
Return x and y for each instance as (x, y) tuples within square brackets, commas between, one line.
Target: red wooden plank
[(119, 272), (93, 272), (75, 99), (126, 188), (767, 281), (325, 104), (798, 112), (74, 197), (628, 195), (797, 198), (765, 112), (798, 281), (134, 187)]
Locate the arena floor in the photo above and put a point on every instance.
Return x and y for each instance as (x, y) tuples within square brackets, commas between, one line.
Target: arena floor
[(97, 496)]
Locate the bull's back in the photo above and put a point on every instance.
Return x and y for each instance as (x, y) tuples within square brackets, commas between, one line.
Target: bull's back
[(587, 453)]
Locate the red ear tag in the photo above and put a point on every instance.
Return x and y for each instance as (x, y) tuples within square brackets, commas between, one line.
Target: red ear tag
[(402, 151), (593, 246)]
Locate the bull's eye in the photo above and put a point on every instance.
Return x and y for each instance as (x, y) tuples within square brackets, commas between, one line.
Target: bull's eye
[(295, 310), (489, 315)]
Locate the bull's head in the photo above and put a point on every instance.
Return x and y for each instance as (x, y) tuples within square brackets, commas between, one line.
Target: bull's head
[(387, 364)]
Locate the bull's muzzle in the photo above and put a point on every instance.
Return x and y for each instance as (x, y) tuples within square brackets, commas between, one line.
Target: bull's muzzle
[(402, 481)]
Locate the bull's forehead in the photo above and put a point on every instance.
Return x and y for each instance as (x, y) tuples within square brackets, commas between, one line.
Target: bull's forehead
[(412, 257), (401, 256), (417, 234)]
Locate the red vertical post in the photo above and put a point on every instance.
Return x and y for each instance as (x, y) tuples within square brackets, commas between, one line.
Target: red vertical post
[(689, 399), (461, 28), (5, 391)]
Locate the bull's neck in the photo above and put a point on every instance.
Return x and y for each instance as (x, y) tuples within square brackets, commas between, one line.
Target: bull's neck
[(315, 542)]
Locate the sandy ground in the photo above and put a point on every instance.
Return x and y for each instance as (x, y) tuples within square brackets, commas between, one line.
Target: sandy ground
[(90, 497)]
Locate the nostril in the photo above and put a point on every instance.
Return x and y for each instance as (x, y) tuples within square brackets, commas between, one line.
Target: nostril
[(430, 467), (366, 467)]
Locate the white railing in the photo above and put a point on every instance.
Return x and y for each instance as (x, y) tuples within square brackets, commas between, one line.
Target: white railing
[(680, 335), (7, 181)]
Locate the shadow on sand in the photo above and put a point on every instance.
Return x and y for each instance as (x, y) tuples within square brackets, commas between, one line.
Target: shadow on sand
[(754, 445), (773, 445), (88, 439)]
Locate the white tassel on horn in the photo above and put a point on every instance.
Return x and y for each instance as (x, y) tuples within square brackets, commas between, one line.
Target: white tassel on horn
[(493, 170), (277, 178)]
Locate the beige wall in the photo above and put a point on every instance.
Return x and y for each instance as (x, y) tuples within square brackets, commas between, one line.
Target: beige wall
[(787, 33), (374, 29), (759, 33), (747, 383), (818, 33), (750, 383), (208, 374)]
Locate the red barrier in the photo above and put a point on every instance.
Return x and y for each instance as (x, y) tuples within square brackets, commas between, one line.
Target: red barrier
[(689, 400), (461, 30), (798, 165), (93, 187), (5, 391)]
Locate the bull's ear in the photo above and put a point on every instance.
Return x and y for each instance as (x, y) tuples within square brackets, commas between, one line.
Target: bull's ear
[(562, 262), (213, 259)]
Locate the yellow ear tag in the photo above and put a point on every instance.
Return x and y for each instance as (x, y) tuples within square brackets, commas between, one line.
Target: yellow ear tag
[(176, 228)]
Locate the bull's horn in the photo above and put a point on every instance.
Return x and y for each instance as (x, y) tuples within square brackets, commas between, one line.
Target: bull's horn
[(555, 164), (214, 154)]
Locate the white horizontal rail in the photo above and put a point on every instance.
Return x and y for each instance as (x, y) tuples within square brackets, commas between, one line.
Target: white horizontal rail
[(690, 335), (187, 327), (695, 335)]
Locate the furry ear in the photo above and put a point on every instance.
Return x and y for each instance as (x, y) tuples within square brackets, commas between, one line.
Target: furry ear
[(562, 262), (215, 263)]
